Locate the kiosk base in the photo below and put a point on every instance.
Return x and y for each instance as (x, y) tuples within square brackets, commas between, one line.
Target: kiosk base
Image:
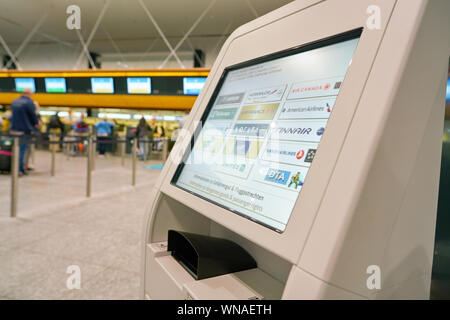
[(174, 282)]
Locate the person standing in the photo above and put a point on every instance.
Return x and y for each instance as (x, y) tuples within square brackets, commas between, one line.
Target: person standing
[(80, 125), (6, 121), (143, 133), (23, 123), (104, 131), (56, 127), (26, 157)]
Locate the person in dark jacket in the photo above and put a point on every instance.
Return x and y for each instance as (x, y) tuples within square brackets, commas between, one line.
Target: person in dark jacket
[(55, 123), (144, 134), (23, 122), (56, 126)]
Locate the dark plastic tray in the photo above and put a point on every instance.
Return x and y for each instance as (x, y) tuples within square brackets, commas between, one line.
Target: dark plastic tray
[(205, 257)]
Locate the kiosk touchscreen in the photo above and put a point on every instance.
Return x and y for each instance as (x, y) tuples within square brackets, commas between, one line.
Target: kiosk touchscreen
[(263, 128), (309, 166)]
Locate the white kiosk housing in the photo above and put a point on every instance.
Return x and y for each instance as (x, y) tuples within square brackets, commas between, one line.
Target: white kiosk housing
[(369, 95)]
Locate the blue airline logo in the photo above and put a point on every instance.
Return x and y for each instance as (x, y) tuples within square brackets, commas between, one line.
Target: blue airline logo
[(277, 176)]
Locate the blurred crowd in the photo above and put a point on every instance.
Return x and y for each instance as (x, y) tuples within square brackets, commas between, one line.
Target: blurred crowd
[(24, 121)]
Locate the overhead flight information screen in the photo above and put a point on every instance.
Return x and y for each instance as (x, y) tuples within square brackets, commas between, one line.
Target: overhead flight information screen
[(193, 85), (55, 85), (24, 83), (262, 128), (102, 85), (138, 85)]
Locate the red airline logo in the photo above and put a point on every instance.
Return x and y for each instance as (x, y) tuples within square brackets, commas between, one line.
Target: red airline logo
[(314, 88), (300, 154)]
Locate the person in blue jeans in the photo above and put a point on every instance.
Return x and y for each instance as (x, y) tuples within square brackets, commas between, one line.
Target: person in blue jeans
[(104, 131), (23, 123)]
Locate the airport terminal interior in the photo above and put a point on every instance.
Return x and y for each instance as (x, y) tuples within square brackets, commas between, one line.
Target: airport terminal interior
[(224, 149)]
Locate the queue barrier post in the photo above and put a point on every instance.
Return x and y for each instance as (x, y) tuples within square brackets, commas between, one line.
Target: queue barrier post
[(133, 167), (123, 149), (89, 168), (53, 148), (165, 149), (14, 176), (32, 150), (94, 152)]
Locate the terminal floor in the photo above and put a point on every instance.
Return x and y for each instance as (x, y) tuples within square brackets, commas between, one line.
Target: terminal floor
[(57, 227)]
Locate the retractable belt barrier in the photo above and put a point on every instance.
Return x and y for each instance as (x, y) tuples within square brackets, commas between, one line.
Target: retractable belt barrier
[(51, 140)]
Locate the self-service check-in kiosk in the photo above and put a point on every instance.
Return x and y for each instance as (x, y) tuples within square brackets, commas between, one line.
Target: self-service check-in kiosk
[(312, 163)]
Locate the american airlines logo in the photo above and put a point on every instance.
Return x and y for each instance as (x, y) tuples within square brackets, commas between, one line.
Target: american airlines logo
[(306, 108), (326, 108)]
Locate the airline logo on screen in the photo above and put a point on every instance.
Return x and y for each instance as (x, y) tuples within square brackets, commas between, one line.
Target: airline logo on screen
[(308, 131), (259, 112), (311, 109), (250, 130), (290, 153), (266, 95), (316, 88), (240, 170), (230, 98), (290, 179), (222, 114), (277, 176), (310, 155)]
